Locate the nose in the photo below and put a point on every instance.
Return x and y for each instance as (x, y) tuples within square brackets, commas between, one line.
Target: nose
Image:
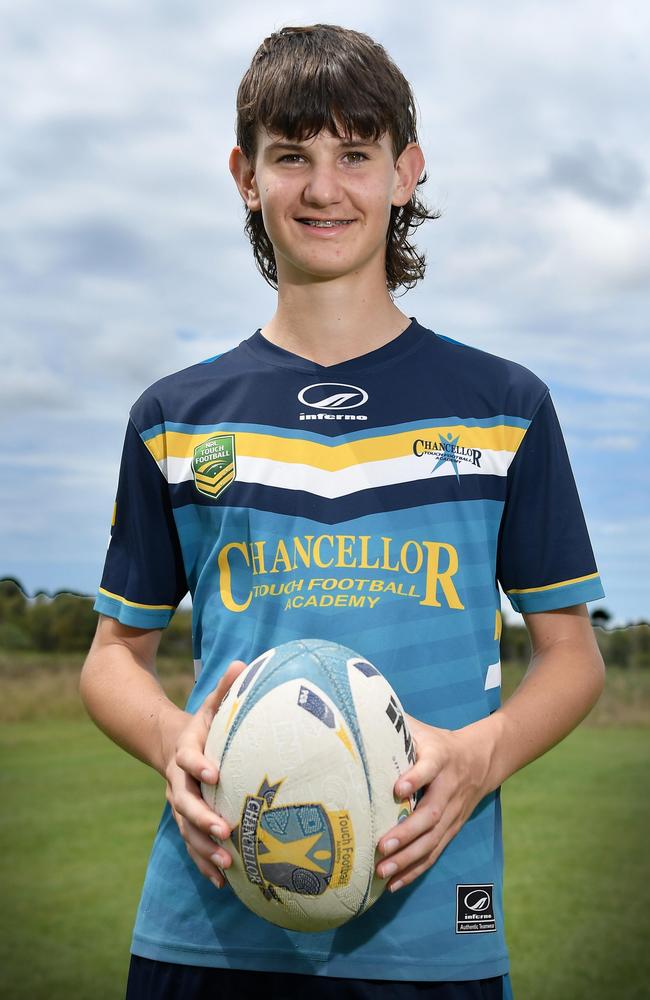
[(323, 186)]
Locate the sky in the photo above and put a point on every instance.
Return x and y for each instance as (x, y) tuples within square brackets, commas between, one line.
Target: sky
[(123, 257)]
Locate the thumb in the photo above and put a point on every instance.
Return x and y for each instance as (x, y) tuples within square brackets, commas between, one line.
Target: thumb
[(216, 696), (203, 719)]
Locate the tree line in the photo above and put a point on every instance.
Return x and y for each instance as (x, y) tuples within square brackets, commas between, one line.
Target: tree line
[(66, 623)]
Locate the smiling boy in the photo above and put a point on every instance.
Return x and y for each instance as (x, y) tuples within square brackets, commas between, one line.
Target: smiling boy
[(343, 441)]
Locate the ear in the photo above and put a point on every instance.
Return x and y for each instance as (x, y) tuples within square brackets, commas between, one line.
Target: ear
[(244, 176), (408, 170)]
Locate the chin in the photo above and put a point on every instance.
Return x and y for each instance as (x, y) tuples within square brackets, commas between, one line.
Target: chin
[(327, 270), (324, 273)]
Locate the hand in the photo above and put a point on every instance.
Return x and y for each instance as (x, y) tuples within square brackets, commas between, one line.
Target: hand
[(453, 765), (186, 766)]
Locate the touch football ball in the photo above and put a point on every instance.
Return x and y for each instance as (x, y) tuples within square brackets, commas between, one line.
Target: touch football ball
[(309, 740)]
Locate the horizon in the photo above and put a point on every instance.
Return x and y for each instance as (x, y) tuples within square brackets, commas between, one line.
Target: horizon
[(510, 618)]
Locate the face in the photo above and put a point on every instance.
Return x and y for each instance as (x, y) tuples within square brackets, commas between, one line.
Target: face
[(326, 202)]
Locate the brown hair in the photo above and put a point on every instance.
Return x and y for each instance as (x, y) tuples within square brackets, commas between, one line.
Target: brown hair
[(306, 79)]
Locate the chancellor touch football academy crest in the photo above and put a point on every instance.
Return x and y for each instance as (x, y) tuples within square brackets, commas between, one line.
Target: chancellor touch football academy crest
[(213, 464), (302, 847)]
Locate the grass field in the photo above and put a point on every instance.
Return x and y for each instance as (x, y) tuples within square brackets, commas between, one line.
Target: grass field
[(79, 816)]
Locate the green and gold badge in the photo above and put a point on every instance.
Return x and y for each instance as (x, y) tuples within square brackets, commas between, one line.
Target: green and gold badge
[(213, 464)]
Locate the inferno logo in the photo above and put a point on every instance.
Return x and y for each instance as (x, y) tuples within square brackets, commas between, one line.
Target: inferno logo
[(330, 398)]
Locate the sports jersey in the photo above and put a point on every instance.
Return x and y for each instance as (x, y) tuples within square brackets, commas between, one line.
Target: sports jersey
[(378, 503)]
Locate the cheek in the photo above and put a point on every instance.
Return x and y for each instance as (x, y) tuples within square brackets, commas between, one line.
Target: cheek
[(380, 214), (273, 191), (273, 200), (376, 200)]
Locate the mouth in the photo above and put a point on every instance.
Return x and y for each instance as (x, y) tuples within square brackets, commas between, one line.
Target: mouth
[(325, 223)]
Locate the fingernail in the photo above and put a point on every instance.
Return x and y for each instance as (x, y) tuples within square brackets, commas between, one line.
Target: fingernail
[(219, 832), (217, 860), (390, 845), (387, 870), (404, 788), (215, 883), (207, 775), (395, 886)]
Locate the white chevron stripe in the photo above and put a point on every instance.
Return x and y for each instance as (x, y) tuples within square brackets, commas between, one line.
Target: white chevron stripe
[(493, 676), (342, 482)]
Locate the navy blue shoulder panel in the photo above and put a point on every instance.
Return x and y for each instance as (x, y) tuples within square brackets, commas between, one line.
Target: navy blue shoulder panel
[(170, 396), (438, 376), (490, 378)]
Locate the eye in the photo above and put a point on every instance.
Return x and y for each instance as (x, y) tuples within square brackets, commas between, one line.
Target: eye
[(358, 156), (289, 158)]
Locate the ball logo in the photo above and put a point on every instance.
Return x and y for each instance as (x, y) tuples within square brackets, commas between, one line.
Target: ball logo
[(477, 900), (332, 396), (304, 848)]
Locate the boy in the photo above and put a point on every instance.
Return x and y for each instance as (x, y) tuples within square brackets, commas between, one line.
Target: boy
[(343, 442)]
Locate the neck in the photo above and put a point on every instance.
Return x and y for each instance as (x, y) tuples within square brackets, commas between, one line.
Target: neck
[(329, 322)]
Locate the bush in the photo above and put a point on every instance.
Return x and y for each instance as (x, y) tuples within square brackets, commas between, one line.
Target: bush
[(73, 622), (13, 603), (176, 639), (13, 636)]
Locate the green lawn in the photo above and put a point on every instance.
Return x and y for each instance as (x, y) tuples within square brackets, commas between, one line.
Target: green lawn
[(78, 820), (576, 839), (79, 815)]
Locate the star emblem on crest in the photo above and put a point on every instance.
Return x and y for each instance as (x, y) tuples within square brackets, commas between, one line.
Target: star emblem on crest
[(448, 444)]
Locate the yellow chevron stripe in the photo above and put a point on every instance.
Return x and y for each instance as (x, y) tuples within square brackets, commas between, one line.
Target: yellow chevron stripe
[(175, 444), (211, 481), (133, 604), (214, 488), (553, 586)]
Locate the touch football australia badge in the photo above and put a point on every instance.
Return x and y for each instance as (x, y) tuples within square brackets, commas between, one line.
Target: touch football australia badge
[(213, 465), (302, 847)]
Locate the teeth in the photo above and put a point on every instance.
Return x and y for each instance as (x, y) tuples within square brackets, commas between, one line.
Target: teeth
[(324, 223)]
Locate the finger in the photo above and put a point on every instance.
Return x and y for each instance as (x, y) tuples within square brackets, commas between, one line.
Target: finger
[(201, 766), (210, 860), (206, 848), (191, 743), (191, 805), (427, 768), (417, 849), (408, 852), (209, 869), (405, 875), (191, 759), (428, 812)]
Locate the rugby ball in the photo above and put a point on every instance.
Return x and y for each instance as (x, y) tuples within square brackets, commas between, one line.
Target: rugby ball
[(309, 741)]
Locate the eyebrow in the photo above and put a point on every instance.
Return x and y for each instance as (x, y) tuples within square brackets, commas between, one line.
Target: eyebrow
[(343, 144)]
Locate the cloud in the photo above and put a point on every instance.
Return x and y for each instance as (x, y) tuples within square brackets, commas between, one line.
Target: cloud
[(609, 178), (26, 383), (615, 443), (101, 246)]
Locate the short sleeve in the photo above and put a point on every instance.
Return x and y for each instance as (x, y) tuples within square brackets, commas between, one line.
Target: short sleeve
[(545, 559), (144, 579)]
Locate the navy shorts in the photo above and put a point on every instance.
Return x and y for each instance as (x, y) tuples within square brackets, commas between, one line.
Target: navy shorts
[(153, 980)]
